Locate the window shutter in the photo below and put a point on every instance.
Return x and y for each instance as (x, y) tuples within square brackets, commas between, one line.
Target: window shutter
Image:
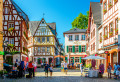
[(67, 49), (85, 48), (79, 48), (80, 60), (73, 49), (66, 59), (73, 59)]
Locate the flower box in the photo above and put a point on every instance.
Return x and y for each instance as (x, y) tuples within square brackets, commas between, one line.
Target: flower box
[(11, 45), (111, 34), (105, 36), (11, 29), (116, 31), (105, 11), (115, 1)]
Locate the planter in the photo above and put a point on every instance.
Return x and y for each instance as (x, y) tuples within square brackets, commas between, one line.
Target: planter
[(11, 45), (105, 36), (111, 34), (105, 11), (11, 29), (116, 31)]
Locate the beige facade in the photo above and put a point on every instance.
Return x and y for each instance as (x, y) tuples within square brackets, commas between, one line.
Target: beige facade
[(1, 36)]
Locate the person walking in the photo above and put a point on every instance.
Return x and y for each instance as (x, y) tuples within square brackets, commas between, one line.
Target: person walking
[(30, 68), (46, 67), (65, 67), (109, 68), (33, 69), (81, 68), (115, 70), (42, 65), (51, 70)]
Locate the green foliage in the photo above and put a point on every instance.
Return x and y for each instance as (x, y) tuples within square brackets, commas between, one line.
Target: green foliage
[(88, 66), (81, 21), (1, 72), (11, 29)]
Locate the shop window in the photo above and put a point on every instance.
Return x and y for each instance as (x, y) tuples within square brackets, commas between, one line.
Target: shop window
[(77, 59)]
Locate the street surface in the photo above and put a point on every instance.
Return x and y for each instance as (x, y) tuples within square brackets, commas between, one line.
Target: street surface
[(58, 76)]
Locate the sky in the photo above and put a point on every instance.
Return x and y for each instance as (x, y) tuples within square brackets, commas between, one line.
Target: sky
[(62, 12)]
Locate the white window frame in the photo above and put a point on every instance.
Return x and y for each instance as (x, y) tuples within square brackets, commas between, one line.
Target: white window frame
[(11, 40)]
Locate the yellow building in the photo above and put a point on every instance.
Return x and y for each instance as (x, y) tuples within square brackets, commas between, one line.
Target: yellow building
[(43, 44), (1, 35)]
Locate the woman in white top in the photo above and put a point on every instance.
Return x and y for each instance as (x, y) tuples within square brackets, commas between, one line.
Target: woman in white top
[(65, 66), (51, 69)]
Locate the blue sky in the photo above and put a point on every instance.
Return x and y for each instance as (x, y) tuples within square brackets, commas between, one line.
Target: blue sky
[(62, 12)]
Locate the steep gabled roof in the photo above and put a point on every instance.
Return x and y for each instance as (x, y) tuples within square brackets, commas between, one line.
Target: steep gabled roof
[(20, 12), (33, 25), (96, 12), (75, 30)]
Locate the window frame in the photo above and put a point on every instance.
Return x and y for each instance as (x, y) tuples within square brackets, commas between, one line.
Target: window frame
[(70, 37), (70, 48), (76, 49), (76, 37), (82, 37), (78, 59), (111, 27), (82, 48), (11, 41)]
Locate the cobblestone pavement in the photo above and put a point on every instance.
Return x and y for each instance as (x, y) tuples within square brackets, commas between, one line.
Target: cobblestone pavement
[(58, 76)]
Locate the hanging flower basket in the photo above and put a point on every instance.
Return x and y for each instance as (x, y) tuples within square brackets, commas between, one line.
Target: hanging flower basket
[(11, 29)]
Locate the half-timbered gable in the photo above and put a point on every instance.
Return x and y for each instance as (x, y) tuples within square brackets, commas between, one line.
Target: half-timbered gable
[(15, 27)]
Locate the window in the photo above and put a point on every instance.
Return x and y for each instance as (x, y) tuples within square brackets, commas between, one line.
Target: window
[(83, 37), (116, 26), (83, 48), (70, 48), (93, 46), (105, 6), (43, 49), (43, 30), (93, 32), (100, 37), (11, 25), (76, 59), (43, 39), (48, 49), (76, 49), (110, 4), (76, 37), (39, 50), (6, 10), (39, 40), (91, 35), (111, 29), (11, 40), (48, 39), (106, 32), (71, 59), (70, 38)]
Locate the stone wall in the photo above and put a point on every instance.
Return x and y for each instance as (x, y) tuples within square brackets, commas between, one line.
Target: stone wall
[(1, 35)]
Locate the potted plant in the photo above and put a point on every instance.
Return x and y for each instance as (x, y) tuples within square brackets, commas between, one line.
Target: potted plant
[(110, 5), (111, 33), (105, 36), (105, 11), (116, 31)]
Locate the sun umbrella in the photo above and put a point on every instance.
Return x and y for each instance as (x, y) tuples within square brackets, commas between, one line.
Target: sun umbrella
[(94, 57)]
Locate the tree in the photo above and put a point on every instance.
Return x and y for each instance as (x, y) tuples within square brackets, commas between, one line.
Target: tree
[(81, 21)]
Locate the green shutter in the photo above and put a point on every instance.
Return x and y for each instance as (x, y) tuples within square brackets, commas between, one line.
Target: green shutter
[(73, 59), (85, 48), (80, 60), (73, 49), (80, 48), (67, 49), (66, 59)]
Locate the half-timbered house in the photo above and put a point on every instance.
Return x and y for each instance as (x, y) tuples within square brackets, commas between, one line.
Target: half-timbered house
[(43, 44), (15, 27)]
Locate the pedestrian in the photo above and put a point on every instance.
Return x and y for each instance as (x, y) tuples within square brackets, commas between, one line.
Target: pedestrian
[(109, 68), (33, 69), (62, 66), (51, 69), (65, 67), (81, 68), (26, 67), (42, 65), (46, 67), (115, 70), (30, 68)]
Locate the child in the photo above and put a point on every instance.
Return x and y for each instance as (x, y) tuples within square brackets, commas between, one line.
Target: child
[(51, 70)]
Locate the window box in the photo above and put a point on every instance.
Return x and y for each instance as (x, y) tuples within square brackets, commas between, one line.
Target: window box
[(116, 31), (110, 5), (111, 34), (115, 1), (11, 29), (105, 11), (105, 37), (11, 45), (100, 41)]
